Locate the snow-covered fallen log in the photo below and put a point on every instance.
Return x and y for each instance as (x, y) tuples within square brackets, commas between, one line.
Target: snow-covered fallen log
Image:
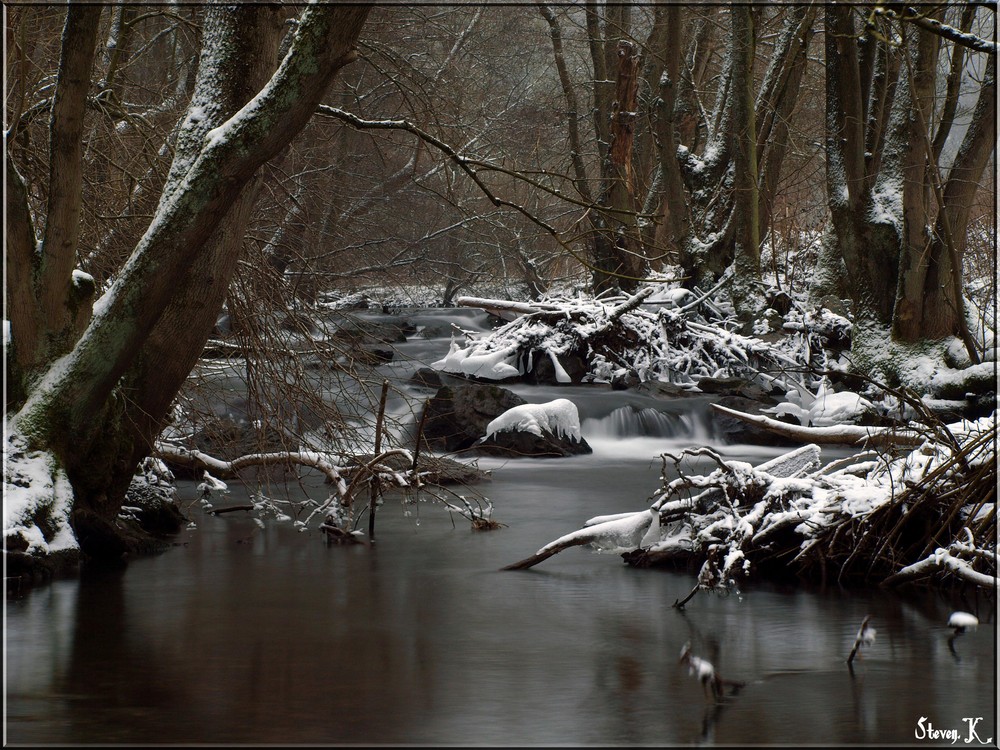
[(228, 469), (841, 434), (619, 533)]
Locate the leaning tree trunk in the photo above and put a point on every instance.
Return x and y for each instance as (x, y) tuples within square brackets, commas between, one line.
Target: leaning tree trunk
[(102, 404), (236, 38)]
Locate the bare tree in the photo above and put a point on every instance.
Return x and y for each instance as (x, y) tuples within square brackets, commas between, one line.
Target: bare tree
[(900, 211), (97, 388)]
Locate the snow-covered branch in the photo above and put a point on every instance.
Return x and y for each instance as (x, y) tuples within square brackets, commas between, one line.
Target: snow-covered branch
[(857, 518), (912, 15), (843, 434)]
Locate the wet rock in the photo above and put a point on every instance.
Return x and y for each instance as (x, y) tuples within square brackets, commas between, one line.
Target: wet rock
[(427, 377), (746, 389), (518, 444), (370, 329), (732, 430), (457, 416)]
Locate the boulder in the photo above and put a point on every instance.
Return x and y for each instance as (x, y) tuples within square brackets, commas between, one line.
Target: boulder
[(359, 330), (457, 416), (548, 430), (518, 444), (427, 377)]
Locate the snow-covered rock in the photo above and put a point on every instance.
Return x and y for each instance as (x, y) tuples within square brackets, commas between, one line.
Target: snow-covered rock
[(541, 430)]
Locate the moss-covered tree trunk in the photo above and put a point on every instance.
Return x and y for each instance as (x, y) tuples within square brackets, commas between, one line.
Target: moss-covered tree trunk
[(864, 188), (899, 217), (98, 408)]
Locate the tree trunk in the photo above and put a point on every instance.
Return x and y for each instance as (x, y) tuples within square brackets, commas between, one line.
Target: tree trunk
[(747, 298), (97, 409), (241, 38), (50, 303), (619, 260), (866, 239), (930, 304), (666, 193)]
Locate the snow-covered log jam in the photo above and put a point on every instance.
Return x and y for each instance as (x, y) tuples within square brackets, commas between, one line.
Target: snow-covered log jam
[(917, 502), (320, 315)]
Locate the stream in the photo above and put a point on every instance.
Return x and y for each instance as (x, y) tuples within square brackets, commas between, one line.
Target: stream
[(243, 635)]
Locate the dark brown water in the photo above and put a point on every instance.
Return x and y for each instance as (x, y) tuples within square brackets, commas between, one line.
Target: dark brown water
[(241, 635)]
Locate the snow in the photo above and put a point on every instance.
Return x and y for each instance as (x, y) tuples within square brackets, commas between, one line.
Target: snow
[(962, 620), (491, 365), (825, 408), (82, 277), (622, 533), (619, 337), (559, 417), (36, 496)]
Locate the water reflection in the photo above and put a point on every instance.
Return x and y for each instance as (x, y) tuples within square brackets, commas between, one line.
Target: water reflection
[(422, 639), (241, 635)]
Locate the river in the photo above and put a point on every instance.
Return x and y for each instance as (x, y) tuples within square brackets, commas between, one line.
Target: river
[(243, 635)]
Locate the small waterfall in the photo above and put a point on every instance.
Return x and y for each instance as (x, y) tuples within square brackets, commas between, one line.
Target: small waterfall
[(634, 421)]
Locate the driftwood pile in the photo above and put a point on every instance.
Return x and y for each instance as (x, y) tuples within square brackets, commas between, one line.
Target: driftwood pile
[(881, 516)]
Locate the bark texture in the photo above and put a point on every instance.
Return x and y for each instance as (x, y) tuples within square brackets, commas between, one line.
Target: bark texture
[(99, 408)]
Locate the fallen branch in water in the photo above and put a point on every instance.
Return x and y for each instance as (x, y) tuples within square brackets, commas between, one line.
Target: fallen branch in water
[(865, 637), (944, 560), (230, 509), (223, 469), (395, 467), (624, 531)]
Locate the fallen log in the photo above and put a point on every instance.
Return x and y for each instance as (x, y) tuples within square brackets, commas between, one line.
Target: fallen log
[(847, 434), (505, 309)]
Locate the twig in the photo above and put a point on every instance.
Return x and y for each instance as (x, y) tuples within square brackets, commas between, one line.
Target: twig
[(373, 501)]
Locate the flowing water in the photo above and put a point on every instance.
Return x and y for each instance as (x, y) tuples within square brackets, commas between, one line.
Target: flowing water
[(242, 635)]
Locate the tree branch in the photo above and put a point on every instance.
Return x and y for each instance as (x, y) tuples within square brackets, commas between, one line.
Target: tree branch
[(912, 15), (838, 435)]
